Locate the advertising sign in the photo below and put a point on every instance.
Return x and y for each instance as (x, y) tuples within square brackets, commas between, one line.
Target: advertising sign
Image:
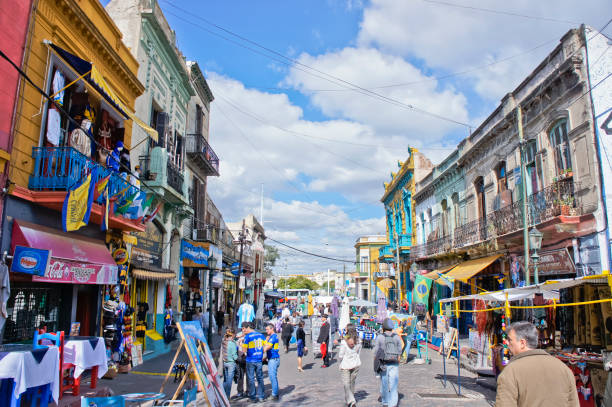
[(551, 262), (195, 254), (30, 261), (148, 249), (72, 272), (121, 256)]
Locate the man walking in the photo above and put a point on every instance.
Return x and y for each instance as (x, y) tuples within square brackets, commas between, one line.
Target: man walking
[(323, 339), (389, 345), (271, 349), (253, 345), (533, 377)]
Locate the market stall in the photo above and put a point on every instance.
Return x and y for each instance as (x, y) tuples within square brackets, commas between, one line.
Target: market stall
[(573, 316)]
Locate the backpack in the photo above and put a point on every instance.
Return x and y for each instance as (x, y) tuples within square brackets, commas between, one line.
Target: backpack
[(392, 350)]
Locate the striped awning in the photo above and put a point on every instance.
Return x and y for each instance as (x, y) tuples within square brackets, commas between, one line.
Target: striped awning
[(152, 275)]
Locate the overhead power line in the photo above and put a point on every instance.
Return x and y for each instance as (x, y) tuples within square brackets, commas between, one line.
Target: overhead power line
[(313, 71)]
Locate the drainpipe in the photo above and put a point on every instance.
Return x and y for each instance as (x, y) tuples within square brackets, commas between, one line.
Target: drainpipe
[(519, 119)]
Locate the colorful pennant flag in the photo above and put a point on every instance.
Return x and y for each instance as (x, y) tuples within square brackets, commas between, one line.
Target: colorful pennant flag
[(122, 207), (100, 188), (150, 217), (104, 222), (77, 204)]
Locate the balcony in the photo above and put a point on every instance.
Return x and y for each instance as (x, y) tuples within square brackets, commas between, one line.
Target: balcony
[(386, 252), (202, 155), (56, 169), (543, 206), (164, 178)]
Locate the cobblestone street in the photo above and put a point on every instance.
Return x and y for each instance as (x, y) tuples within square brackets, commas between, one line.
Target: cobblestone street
[(419, 384)]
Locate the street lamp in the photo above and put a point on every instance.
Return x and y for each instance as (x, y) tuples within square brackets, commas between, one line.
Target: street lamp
[(273, 283), (535, 242), (212, 264)]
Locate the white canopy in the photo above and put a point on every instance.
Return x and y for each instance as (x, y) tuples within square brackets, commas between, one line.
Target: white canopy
[(549, 289), (362, 303), (323, 299)]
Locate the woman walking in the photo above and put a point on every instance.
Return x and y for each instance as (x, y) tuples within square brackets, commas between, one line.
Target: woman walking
[(286, 332), (230, 355), (349, 364), (300, 335)]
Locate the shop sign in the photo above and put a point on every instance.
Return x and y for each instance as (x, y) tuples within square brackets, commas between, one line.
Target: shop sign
[(66, 271), (217, 279), (235, 268), (242, 283), (121, 256), (194, 254), (148, 250), (551, 262), (30, 261)]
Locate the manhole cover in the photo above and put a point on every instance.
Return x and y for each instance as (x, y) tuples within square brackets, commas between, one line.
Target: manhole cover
[(440, 396)]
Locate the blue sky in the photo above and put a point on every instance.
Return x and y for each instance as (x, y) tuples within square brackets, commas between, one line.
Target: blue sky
[(322, 151)]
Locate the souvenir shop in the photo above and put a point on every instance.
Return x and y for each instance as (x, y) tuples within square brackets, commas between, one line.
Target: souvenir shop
[(572, 315)]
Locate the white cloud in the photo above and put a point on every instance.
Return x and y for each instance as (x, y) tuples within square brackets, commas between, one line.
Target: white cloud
[(453, 39)]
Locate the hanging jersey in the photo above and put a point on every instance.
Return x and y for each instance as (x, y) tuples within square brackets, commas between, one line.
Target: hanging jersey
[(246, 312)]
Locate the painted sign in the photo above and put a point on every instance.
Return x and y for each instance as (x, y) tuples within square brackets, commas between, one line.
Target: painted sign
[(551, 262), (217, 279), (148, 249), (72, 272), (202, 363), (194, 254), (30, 261), (121, 256)]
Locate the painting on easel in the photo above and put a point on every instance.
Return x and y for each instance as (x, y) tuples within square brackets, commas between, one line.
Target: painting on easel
[(202, 363)]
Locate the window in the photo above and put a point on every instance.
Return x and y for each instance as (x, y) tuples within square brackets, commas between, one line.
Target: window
[(502, 177), (533, 166), (456, 214), (560, 145)]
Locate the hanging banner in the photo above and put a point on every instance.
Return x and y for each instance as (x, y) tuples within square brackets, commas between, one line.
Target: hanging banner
[(194, 254), (420, 293)]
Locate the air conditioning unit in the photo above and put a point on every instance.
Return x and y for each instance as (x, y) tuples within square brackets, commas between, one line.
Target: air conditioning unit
[(203, 235)]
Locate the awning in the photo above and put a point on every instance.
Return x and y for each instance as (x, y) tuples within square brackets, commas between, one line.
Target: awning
[(95, 79), (73, 260), (152, 275), (434, 275), (468, 269)]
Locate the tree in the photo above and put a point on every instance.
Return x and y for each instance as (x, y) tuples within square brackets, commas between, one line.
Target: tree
[(270, 257), (332, 286), (297, 282)]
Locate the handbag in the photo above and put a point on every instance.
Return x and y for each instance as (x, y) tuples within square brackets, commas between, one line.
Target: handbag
[(323, 349)]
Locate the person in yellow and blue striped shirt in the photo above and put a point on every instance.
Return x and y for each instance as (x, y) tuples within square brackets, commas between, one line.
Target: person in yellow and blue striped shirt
[(254, 343), (271, 349)]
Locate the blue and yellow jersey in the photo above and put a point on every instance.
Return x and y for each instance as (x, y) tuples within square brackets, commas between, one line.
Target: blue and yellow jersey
[(254, 344), (273, 352)]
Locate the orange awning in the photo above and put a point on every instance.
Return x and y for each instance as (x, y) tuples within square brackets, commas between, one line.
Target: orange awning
[(434, 275), (468, 269)]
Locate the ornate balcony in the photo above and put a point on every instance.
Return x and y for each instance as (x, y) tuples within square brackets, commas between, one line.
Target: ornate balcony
[(57, 169), (202, 155), (385, 252), (558, 199), (164, 178)]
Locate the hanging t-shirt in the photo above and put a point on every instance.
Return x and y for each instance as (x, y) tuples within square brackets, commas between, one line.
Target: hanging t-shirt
[(54, 124), (58, 83), (246, 312)]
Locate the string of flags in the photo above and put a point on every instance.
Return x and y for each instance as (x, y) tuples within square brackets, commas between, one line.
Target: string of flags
[(129, 202)]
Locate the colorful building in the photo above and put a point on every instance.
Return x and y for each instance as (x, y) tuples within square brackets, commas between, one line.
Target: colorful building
[(400, 215), (367, 252)]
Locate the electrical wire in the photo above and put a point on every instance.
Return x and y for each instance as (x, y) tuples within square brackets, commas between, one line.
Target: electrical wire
[(309, 70)]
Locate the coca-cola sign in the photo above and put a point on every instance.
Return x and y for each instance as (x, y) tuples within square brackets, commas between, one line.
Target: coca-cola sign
[(66, 271)]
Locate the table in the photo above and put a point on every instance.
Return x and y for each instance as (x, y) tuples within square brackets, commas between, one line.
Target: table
[(86, 352), (30, 368)]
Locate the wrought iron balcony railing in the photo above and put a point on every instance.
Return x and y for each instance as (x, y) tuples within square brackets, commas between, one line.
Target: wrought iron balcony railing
[(202, 154), (175, 178), (61, 168), (557, 199), (385, 251)]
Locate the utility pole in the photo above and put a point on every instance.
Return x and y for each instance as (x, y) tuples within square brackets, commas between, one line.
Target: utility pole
[(344, 277), (519, 119), (241, 236)]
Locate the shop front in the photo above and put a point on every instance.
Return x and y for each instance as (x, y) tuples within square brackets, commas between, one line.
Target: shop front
[(56, 281), (149, 290)]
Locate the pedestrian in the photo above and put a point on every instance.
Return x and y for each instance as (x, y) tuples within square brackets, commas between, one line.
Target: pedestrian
[(286, 332), (254, 343), (349, 364), (286, 312), (229, 351), (533, 377), (323, 339), (300, 335), (197, 316), (273, 357), (241, 367), (387, 353), (220, 318)]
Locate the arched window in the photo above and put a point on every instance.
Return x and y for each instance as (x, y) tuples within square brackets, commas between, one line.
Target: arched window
[(502, 177), (444, 229), (456, 214), (423, 234), (560, 145), (480, 197)]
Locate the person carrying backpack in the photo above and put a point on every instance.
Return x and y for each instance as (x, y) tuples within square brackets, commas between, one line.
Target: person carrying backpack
[(387, 351)]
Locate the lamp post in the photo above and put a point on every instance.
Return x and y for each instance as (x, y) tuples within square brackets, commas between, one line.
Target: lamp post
[(535, 242), (273, 283), (212, 263)]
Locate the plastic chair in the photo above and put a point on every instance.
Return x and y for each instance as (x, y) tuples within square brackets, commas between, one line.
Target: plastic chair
[(41, 395), (56, 339), (115, 401)]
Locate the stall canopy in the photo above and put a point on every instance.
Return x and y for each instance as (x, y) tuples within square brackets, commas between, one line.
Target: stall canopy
[(362, 303), (94, 78), (549, 289), (73, 260), (468, 269), (274, 294), (153, 275), (434, 275)]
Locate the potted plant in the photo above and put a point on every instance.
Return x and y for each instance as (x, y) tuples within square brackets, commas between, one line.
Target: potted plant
[(568, 173), (566, 204)]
